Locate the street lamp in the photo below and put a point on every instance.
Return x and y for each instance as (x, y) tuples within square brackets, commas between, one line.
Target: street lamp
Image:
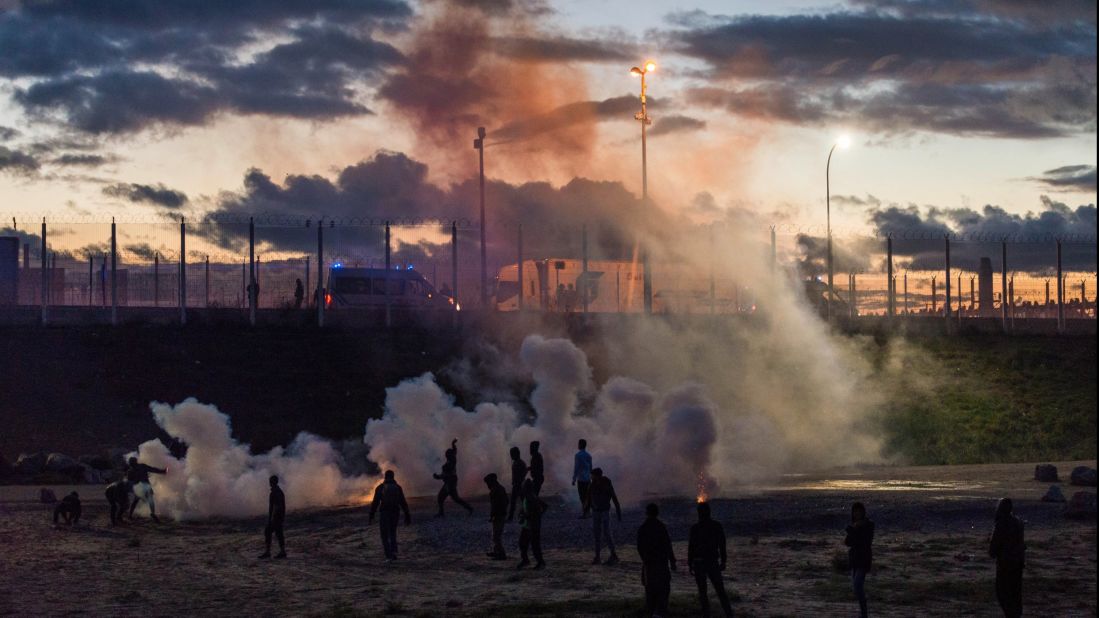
[(479, 145), (643, 118), (842, 142)]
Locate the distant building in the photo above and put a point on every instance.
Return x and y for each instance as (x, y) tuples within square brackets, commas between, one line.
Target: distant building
[(986, 290)]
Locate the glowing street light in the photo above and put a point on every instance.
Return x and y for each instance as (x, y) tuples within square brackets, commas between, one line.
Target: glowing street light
[(643, 118), (843, 142)]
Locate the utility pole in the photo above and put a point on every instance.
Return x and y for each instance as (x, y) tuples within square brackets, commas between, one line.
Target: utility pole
[(479, 145)]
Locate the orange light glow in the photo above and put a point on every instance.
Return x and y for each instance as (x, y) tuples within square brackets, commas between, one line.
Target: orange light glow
[(703, 495), (650, 66)]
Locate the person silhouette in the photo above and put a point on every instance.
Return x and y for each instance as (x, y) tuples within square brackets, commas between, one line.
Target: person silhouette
[(654, 545), (1009, 550), (518, 474), (600, 497), (118, 498), (581, 475), (390, 500), (137, 475), (276, 516), (859, 540), (537, 468), (449, 477), (706, 559), (68, 509), (498, 511), (530, 518)]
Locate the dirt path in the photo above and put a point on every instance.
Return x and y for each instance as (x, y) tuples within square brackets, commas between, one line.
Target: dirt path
[(930, 556)]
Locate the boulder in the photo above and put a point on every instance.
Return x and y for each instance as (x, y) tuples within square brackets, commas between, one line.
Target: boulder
[(1054, 494), (99, 462), (46, 496), (1083, 476), (1046, 473), (30, 463), (1082, 505), (58, 462)]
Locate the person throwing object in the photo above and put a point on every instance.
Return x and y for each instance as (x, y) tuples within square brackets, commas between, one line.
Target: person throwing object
[(137, 475)]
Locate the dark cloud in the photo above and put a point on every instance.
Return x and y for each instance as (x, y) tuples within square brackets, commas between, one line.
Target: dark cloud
[(82, 160), (8, 133), (141, 251), (919, 235), (158, 195), (80, 59), (17, 162), (676, 124), (1068, 178), (579, 113), (565, 49), (954, 72), (395, 187)]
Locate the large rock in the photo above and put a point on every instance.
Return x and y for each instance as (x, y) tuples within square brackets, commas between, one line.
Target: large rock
[(46, 496), (58, 462), (1054, 494), (1082, 505), (30, 463), (1046, 473), (1083, 476)]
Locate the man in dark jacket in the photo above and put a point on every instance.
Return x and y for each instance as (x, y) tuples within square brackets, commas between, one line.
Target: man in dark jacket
[(600, 497), (68, 509), (518, 474), (530, 518), (860, 539), (537, 468), (1009, 550), (498, 514), (657, 561), (276, 516), (706, 559), (137, 475), (449, 477), (389, 499)]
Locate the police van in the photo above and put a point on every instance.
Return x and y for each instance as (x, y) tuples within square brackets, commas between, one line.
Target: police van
[(364, 288)]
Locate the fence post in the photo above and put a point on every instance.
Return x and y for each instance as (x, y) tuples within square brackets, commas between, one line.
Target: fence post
[(307, 277), (1060, 292), (890, 284), (1003, 285), (320, 273), (45, 275), (206, 301), (1011, 301), (156, 278), (454, 263), (584, 264), (960, 301), (91, 278), (934, 296), (114, 275), (853, 309), (385, 281), (252, 295), (906, 292), (946, 290), (182, 271), (519, 245)]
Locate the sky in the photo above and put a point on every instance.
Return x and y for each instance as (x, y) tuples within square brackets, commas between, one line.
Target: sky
[(966, 114)]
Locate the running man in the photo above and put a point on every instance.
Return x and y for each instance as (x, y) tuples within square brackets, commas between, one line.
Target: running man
[(449, 477)]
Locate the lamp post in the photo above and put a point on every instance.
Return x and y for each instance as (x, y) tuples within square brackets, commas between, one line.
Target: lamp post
[(643, 118), (479, 145), (842, 142)]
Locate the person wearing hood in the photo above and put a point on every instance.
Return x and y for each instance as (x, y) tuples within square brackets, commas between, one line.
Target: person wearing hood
[(1009, 550), (390, 500), (498, 512), (706, 559), (860, 555)]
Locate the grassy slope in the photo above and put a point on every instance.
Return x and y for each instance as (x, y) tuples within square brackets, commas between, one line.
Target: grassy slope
[(994, 399)]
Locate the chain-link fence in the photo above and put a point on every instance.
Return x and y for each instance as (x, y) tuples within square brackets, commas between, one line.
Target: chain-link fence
[(291, 263)]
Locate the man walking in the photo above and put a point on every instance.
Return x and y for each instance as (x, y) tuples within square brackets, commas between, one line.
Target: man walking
[(276, 516), (518, 473), (118, 498), (706, 559), (537, 468), (498, 513), (1009, 550), (600, 496), (530, 518), (657, 561), (389, 499), (581, 475)]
